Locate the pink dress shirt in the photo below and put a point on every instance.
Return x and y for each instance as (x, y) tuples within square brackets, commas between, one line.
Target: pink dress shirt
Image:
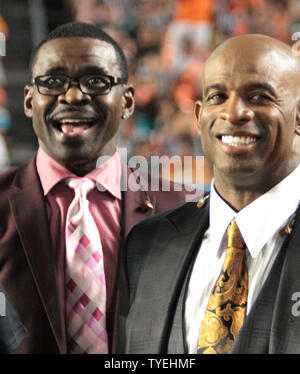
[(105, 208)]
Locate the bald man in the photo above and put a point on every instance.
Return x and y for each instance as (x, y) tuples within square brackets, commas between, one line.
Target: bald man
[(223, 275)]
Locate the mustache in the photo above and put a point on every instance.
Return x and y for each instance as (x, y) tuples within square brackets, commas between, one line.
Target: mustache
[(79, 110)]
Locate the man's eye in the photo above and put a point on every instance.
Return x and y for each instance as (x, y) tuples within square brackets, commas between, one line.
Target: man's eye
[(259, 98), (53, 82), (216, 98), (97, 81)]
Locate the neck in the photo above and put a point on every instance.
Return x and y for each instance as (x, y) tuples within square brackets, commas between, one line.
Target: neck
[(236, 197), (85, 165), (242, 190), (81, 169)]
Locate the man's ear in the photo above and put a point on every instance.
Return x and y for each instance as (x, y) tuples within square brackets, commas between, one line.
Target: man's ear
[(197, 111), (297, 125), (28, 92), (128, 102)]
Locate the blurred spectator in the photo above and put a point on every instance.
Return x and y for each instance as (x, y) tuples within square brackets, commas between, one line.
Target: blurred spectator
[(4, 126), (5, 121), (294, 15), (4, 30), (193, 22)]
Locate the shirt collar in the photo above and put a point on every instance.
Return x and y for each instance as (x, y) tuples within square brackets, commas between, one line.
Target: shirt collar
[(107, 175), (275, 207), (220, 215)]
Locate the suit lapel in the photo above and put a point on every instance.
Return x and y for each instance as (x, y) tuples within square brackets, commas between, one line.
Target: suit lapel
[(285, 330), (171, 256), (133, 211), (273, 325), (254, 336), (29, 211)]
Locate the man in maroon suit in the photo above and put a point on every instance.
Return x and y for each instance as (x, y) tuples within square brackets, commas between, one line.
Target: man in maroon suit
[(76, 99)]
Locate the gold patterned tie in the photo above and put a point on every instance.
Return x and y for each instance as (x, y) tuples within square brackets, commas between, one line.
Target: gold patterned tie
[(227, 305)]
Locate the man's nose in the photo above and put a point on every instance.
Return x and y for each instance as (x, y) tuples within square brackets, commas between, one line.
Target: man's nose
[(74, 96), (236, 110)]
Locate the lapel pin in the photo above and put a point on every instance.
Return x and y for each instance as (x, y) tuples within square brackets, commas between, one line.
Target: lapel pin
[(202, 201), (148, 204), (286, 230)]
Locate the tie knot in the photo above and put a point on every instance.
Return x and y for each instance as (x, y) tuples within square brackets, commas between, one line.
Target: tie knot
[(80, 185), (234, 236)]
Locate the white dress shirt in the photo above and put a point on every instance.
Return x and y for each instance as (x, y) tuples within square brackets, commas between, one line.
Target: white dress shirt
[(259, 224)]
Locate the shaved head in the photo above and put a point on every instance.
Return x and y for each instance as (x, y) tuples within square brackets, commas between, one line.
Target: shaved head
[(256, 41), (249, 116), (251, 47)]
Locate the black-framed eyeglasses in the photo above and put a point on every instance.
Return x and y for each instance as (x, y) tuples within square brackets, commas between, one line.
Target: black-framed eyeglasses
[(88, 84)]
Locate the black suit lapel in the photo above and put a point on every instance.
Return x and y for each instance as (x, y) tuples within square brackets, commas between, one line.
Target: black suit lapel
[(271, 326), (254, 336), (171, 254), (29, 211), (285, 330), (133, 211)]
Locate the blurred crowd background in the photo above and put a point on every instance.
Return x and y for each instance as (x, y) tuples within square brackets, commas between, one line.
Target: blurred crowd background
[(166, 43)]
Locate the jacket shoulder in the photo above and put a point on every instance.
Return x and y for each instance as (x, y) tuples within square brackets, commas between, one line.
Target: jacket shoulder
[(153, 235), (20, 176), (6, 179), (155, 226), (169, 194), (167, 217)]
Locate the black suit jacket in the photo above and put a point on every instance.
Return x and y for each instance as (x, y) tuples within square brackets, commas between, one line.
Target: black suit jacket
[(159, 255), (27, 266)]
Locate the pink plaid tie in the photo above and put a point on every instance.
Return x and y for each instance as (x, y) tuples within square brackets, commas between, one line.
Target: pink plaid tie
[(85, 279)]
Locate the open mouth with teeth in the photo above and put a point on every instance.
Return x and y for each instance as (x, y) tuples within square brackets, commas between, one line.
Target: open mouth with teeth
[(236, 141), (73, 126), (238, 144)]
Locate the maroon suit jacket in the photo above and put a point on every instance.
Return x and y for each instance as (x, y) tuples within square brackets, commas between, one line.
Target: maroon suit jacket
[(27, 267)]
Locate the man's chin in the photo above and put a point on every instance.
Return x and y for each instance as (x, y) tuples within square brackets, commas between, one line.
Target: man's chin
[(75, 159), (239, 170), (81, 166)]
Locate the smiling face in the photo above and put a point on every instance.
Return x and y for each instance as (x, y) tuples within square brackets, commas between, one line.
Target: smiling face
[(248, 119), (76, 128)]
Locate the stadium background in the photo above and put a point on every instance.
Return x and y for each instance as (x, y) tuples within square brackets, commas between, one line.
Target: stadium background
[(165, 60)]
